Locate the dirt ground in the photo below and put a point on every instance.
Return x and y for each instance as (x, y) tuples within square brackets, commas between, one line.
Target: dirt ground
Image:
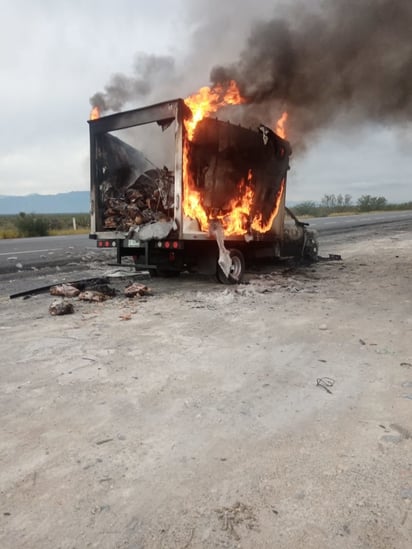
[(198, 423)]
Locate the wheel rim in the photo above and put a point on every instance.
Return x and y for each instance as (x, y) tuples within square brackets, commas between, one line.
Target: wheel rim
[(236, 268)]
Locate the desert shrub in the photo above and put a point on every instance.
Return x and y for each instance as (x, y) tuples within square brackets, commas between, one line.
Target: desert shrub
[(83, 220), (55, 222), (368, 203), (305, 208), (31, 225)]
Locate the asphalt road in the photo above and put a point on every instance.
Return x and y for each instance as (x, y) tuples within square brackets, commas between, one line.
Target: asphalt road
[(25, 253), (349, 222), (28, 253)]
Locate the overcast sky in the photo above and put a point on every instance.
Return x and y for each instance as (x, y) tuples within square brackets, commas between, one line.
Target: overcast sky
[(55, 54)]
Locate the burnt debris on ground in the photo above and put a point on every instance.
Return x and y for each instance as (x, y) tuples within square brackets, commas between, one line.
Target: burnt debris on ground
[(61, 307), (95, 293)]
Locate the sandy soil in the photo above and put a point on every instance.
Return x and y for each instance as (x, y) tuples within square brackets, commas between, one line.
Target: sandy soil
[(198, 422)]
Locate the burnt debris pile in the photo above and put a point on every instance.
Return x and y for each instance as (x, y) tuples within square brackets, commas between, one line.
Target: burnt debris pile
[(149, 198), (133, 191)]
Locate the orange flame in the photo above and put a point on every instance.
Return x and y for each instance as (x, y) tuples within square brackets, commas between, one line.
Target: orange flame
[(258, 224), (192, 199), (281, 125), (202, 103), (95, 113), (208, 100), (238, 219)]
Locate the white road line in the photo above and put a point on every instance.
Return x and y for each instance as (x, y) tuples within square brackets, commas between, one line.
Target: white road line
[(30, 251)]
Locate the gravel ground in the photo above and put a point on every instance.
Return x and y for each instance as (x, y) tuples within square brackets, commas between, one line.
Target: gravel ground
[(193, 418)]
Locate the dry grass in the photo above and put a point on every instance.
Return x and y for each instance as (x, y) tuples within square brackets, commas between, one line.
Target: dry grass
[(65, 232)]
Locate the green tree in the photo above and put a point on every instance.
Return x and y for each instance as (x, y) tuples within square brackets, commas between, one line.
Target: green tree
[(306, 208), (347, 200), (329, 201), (368, 203)]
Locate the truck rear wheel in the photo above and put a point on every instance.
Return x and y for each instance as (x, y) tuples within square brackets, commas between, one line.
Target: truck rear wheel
[(237, 269), (311, 249)]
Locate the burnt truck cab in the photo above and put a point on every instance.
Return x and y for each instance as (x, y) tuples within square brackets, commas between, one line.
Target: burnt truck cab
[(202, 204)]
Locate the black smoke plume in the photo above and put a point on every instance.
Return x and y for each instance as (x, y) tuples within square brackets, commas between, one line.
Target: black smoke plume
[(336, 58), (149, 71)]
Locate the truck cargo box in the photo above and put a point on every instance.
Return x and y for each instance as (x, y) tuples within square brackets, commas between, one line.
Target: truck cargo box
[(153, 189)]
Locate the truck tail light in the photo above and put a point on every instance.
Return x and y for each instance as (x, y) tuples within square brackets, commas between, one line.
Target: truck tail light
[(106, 243), (170, 244)]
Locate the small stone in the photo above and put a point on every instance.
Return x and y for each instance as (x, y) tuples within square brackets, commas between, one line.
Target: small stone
[(395, 439), (323, 327), (406, 493), (19, 266), (407, 384), (58, 308)]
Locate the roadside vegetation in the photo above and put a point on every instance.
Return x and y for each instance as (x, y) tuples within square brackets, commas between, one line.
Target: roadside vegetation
[(30, 224), (332, 204)]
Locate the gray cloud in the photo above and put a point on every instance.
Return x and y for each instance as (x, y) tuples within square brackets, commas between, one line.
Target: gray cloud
[(366, 162)]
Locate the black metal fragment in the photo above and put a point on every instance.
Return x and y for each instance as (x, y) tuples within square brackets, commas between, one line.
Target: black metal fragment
[(81, 284)]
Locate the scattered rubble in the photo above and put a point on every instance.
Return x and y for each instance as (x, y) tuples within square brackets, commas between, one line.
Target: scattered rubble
[(92, 295), (89, 290), (136, 289), (105, 289), (61, 307), (82, 285), (65, 290)]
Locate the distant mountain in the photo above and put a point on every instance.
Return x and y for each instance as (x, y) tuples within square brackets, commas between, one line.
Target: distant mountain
[(73, 202)]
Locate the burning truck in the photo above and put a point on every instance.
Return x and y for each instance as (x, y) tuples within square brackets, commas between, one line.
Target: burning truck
[(209, 196)]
